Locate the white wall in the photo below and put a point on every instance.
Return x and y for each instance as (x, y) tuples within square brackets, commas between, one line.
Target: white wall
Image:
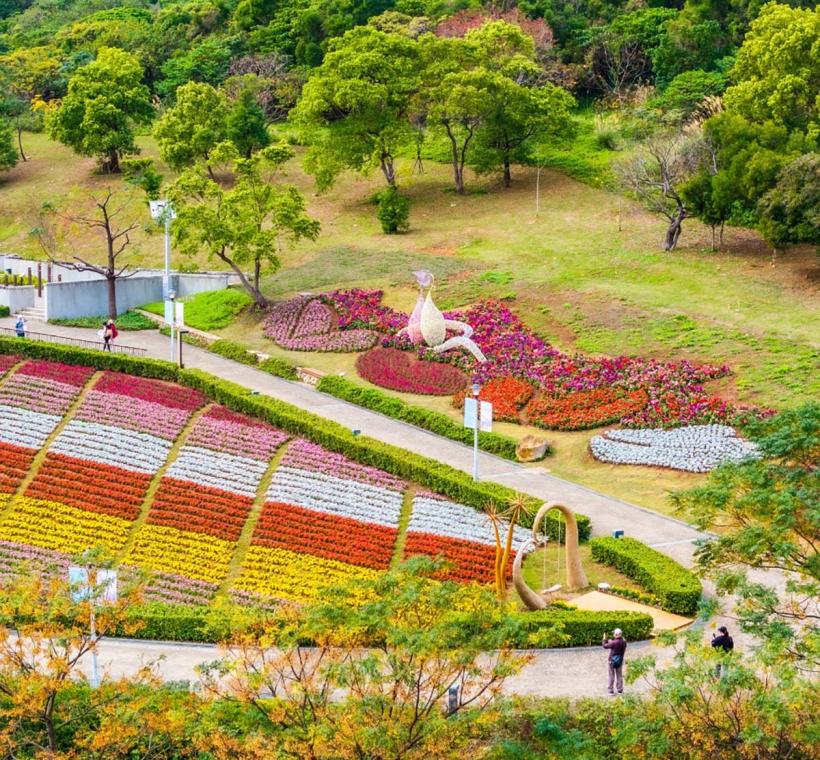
[(16, 298)]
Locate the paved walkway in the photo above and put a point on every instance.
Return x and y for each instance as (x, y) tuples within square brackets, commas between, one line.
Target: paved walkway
[(572, 672)]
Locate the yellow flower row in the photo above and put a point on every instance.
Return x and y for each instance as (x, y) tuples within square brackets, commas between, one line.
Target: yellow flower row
[(298, 577), (53, 525), (169, 550)]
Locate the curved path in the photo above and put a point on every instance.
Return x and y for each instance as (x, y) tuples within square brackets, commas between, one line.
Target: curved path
[(563, 672)]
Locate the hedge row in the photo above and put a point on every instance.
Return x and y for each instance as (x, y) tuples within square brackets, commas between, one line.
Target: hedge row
[(434, 475), (435, 422), (169, 622), (5, 311), (234, 351), (677, 589)]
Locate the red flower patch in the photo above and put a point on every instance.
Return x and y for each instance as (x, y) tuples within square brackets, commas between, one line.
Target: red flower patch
[(92, 486), (401, 371), (472, 562), (157, 391), (200, 509), (507, 395), (585, 409), (7, 361), (15, 462), (68, 374), (285, 526)]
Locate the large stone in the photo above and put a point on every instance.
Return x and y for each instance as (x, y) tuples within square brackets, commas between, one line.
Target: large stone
[(531, 448)]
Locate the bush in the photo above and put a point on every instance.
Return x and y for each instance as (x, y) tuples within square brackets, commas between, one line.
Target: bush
[(438, 477), (190, 338), (585, 627), (179, 622), (687, 90), (677, 589), (435, 422), (279, 367), (231, 350), (394, 211), (130, 320), (5, 311)]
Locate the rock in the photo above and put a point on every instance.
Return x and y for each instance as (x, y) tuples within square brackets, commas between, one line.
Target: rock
[(531, 448)]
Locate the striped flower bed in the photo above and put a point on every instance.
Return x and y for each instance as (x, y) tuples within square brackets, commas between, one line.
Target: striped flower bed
[(13, 555), (155, 391), (133, 414), (38, 394), (221, 430), (15, 462), (22, 427), (7, 361), (218, 470)]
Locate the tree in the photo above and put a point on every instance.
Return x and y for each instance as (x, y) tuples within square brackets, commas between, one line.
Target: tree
[(775, 75), (8, 153), (375, 681), (246, 225), (190, 130), (107, 210), (246, 124), (105, 100), (767, 512), (790, 211), (354, 108), (656, 175)]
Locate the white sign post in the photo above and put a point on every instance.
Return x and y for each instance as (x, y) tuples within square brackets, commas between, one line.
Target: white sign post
[(478, 415), (83, 583)]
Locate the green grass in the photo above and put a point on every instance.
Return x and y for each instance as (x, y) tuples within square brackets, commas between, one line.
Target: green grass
[(130, 320), (208, 311)]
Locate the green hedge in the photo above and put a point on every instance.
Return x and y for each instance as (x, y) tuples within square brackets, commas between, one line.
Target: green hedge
[(677, 589), (587, 627), (130, 320), (5, 311), (279, 367), (234, 351), (438, 477), (435, 422)]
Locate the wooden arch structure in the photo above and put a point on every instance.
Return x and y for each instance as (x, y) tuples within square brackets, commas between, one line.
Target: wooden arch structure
[(576, 577)]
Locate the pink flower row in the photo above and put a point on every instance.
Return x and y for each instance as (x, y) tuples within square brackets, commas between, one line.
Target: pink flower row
[(38, 394), (236, 437), (133, 414)]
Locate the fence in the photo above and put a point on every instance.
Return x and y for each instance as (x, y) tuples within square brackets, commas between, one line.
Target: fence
[(65, 341)]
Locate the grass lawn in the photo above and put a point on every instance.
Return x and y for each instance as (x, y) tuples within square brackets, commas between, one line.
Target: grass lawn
[(587, 272)]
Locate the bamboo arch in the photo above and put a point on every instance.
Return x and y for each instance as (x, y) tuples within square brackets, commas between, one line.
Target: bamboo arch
[(576, 577)]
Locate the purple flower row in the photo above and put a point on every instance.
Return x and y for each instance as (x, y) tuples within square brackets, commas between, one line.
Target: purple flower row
[(346, 341), (282, 317), (228, 436), (133, 414), (315, 319), (39, 394)]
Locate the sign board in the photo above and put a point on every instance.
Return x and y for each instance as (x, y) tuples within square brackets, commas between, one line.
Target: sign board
[(162, 210), (169, 312), (106, 579), (180, 314), (476, 414)]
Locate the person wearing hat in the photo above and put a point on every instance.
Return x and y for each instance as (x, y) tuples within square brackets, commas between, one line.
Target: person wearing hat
[(617, 649), (722, 640)]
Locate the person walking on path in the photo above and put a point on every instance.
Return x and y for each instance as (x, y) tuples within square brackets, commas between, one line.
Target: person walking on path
[(722, 640), (617, 650), (20, 326), (109, 332)]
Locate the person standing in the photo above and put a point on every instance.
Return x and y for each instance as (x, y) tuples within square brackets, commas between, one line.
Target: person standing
[(20, 326), (722, 640), (108, 334), (617, 650)]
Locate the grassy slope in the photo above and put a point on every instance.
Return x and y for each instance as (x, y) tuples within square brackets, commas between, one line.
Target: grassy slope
[(587, 272)]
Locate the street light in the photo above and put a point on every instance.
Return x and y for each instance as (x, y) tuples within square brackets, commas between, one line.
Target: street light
[(476, 391), (163, 212)]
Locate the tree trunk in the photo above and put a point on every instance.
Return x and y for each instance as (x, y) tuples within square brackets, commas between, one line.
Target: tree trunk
[(210, 172), (111, 165), (458, 172), (674, 230), (112, 297), (507, 175), (388, 169), (253, 289), (20, 140), (722, 225), (714, 246)]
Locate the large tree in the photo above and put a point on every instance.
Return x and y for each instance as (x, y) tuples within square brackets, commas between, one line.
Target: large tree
[(246, 124), (354, 108), (790, 211), (189, 131), (8, 153), (105, 100), (246, 225)]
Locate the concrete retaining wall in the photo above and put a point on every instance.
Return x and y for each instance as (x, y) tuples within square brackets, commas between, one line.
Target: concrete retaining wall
[(16, 298)]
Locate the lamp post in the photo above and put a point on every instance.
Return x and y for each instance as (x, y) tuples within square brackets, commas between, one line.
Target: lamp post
[(163, 212), (476, 390)]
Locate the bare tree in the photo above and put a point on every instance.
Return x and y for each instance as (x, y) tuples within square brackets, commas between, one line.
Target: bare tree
[(655, 176), (117, 239), (618, 66)]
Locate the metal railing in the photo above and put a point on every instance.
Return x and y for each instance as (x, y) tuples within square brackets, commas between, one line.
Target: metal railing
[(79, 342)]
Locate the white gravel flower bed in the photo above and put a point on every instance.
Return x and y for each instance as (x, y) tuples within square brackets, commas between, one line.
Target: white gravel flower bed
[(697, 448), (213, 469), (22, 427), (324, 493), (446, 518), (118, 447)]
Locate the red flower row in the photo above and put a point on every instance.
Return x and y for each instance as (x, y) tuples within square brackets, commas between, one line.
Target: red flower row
[(285, 526), (201, 509), (7, 361), (585, 409), (401, 371), (15, 462), (217, 412), (167, 394), (92, 486), (507, 395), (69, 374), (471, 561)]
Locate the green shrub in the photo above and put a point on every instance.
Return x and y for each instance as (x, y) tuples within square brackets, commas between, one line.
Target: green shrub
[(130, 320), (215, 309), (394, 211), (435, 422), (677, 589), (279, 367), (5, 311), (584, 627), (231, 350), (436, 476), (187, 337)]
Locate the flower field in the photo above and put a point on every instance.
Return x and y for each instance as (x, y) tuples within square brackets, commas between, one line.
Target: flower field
[(401, 371), (207, 500)]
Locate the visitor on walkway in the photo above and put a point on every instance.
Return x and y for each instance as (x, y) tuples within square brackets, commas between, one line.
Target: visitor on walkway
[(722, 640), (617, 649), (108, 334), (20, 326)]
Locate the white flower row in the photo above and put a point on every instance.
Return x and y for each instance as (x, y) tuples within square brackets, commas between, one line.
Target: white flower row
[(22, 427), (697, 448), (218, 470), (445, 518), (111, 445), (347, 498)]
